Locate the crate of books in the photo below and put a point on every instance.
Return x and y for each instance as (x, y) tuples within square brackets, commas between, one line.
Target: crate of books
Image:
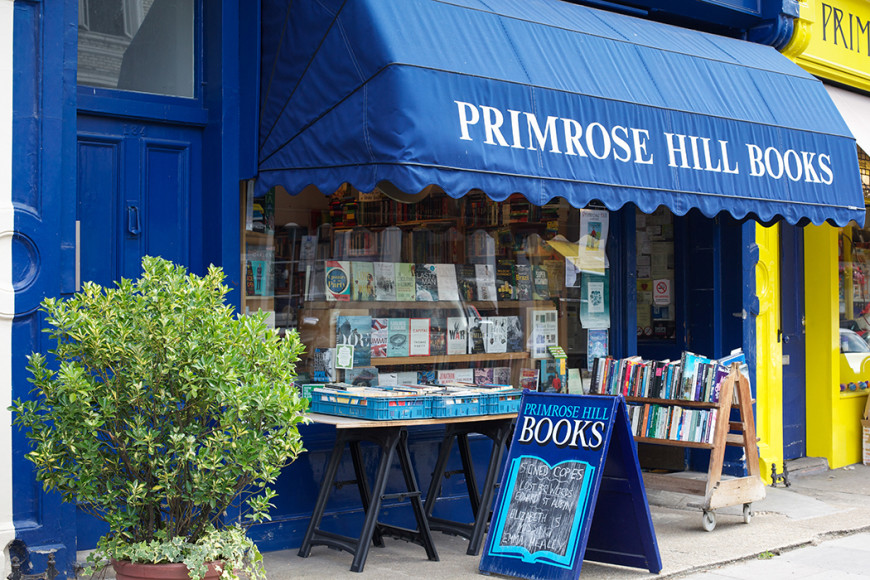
[(366, 403), (454, 402), (499, 400)]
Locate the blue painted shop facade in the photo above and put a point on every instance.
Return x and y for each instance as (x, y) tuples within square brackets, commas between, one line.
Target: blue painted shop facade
[(146, 155)]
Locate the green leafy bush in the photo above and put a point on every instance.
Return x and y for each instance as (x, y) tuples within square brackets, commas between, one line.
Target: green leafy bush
[(165, 411)]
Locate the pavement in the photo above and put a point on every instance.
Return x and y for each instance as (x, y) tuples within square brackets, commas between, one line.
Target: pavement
[(818, 527)]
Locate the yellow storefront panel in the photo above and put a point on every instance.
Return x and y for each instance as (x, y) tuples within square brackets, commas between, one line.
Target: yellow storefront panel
[(836, 35)]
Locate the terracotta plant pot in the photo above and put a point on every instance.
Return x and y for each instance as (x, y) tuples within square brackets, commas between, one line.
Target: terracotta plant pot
[(130, 571)]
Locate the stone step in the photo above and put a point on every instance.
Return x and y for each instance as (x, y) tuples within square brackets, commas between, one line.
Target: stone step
[(804, 466)]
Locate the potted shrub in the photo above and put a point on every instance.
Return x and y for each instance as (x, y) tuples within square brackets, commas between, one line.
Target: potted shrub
[(161, 413)]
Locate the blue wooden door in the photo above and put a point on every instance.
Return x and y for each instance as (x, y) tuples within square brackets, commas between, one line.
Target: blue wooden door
[(138, 190), (793, 343)]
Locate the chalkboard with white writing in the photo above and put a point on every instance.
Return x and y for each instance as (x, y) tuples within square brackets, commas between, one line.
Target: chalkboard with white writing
[(563, 447), (544, 504)]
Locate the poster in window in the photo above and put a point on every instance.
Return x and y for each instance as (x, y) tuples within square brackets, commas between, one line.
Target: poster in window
[(543, 332), (595, 301)]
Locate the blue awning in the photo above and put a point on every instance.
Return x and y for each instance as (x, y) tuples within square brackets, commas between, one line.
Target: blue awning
[(547, 99)]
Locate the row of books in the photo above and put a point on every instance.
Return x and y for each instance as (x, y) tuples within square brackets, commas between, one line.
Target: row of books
[(408, 282), (479, 210), (672, 422), (345, 211), (394, 244), (373, 377), (323, 371), (692, 378), (376, 337)]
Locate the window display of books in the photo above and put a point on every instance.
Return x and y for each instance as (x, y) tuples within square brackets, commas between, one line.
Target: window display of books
[(348, 280)]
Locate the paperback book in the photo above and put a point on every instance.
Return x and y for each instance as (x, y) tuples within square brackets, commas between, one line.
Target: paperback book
[(363, 285), (361, 376), (475, 336), (483, 376), (515, 336), (379, 337), (504, 280), (466, 278), (464, 375), (501, 375), (426, 377), (529, 379), (337, 281), (388, 379), (427, 282), (437, 336), (418, 337), (485, 275), (448, 289), (523, 274), (553, 378), (406, 282), (355, 331), (323, 365), (407, 377), (495, 334), (385, 281), (397, 337), (457, 335), (540, 283)]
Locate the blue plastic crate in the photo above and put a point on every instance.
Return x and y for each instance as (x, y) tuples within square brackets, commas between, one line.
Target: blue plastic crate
[(375, 408), (503, 402), (458, 405)]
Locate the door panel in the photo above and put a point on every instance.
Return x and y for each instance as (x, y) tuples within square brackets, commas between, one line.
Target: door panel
[(793, 343), (137, 187), (99, 167), (165, 202), (135, 191)]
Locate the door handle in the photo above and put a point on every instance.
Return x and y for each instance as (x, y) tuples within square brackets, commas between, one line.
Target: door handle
[(133, 226)]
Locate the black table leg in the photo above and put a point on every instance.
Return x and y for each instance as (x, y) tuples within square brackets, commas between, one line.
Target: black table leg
[(481, 504), (322, 497), (363, 485), (388, 451), (499, 436), (440, 468), (392, 442), (416, 502)]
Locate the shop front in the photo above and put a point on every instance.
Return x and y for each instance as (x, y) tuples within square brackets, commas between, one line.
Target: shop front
[(452, 188), (831, 42)]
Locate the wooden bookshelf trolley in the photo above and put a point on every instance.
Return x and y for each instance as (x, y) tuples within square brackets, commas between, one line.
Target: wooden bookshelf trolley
[(717, 493)]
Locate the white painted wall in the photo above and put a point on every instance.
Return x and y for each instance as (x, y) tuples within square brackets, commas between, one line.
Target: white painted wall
[(7, 295)]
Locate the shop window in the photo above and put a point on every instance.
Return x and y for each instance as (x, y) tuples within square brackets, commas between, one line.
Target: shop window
[(144, 46), (656, 308), (430, 289), (854, 290)]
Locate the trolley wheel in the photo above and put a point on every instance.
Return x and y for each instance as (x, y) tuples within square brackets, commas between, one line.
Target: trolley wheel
[(708, 520), (747, 513)]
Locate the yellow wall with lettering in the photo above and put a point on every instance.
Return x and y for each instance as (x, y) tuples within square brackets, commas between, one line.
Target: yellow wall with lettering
[(834, 36)]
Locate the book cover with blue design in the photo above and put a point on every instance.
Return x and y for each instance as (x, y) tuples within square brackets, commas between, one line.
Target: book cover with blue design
[(355, 331), (398, 341)]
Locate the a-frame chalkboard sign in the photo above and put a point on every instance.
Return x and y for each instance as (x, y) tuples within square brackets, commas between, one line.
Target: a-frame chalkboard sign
[(571, 490)]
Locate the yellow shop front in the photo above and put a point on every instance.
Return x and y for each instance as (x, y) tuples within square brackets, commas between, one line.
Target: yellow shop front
[(832, 41)]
